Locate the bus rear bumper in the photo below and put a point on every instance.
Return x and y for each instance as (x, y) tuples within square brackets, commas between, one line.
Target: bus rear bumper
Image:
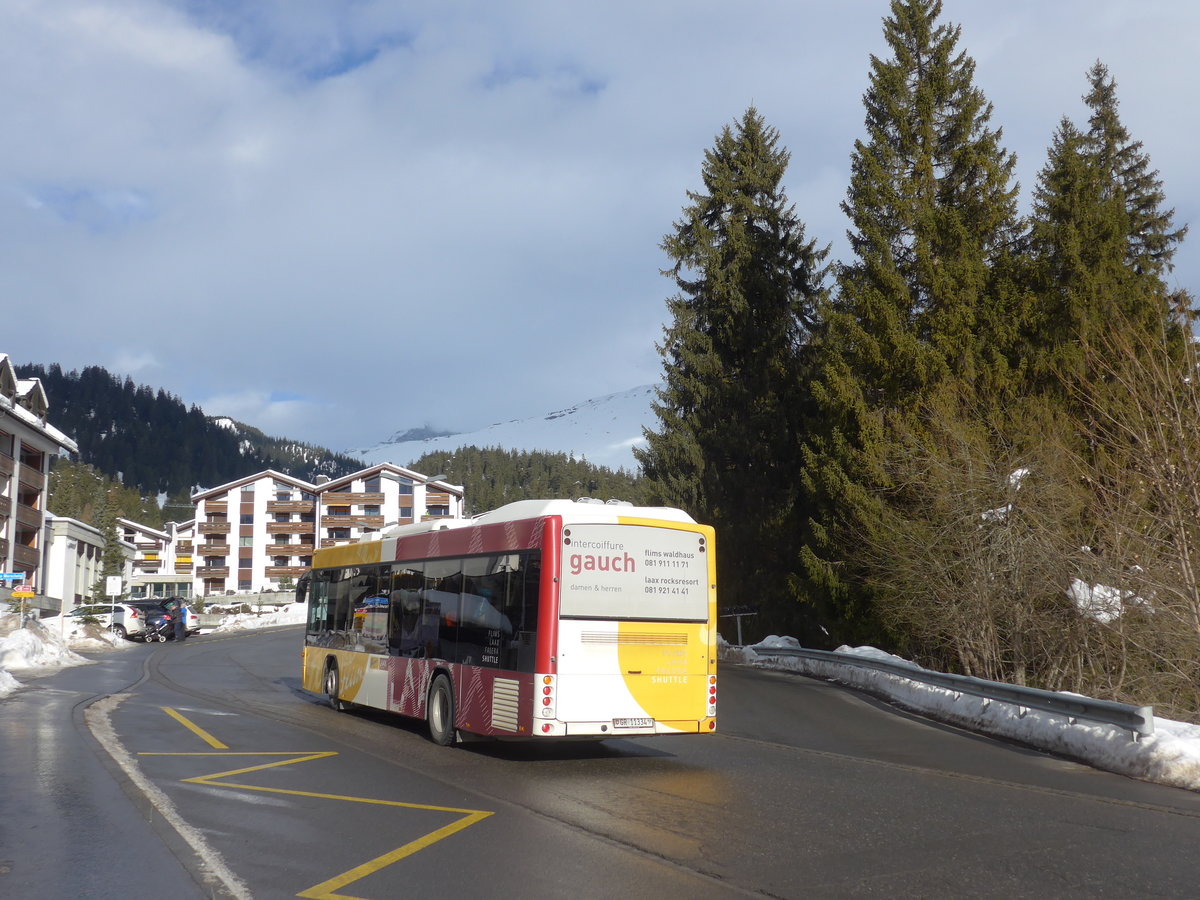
[(610, 729)]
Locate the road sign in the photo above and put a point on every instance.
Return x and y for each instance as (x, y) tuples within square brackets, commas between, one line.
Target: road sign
[(23, 593), (8, 577), (112, 585)]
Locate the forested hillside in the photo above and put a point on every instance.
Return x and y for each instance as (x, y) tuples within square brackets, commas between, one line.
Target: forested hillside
[(143, 452), (153, 443), (492, 477)]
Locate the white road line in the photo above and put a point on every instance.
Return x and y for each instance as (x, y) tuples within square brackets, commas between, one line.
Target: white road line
[(211, 863)]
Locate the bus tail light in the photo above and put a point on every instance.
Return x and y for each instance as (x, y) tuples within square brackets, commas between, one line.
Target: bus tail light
[(712, 695), (546, 699)]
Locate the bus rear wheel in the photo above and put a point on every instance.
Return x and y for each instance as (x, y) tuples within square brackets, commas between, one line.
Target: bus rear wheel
[(332, 687), (440, 712)]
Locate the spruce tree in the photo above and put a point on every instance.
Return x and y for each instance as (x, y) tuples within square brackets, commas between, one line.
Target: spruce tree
[(1078, 239), (731, 411), (1151, 235), (924, 305)]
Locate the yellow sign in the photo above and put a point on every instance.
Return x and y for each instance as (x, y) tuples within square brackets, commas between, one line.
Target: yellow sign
[(22, 594)]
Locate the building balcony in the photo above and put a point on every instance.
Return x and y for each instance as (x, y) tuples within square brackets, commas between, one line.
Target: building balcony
[(3, 549), (5, 506), (7, 464), (290, 528), (27, 556), (352, 522), (31, 477), (182, 568), (28, 516), (149, 565), (213, 527), (150, 546), (212, 550), (212, 571), (285, 571), (349, 498), (437, 498), (288, 549), (184, 547), (215, 508), (290, 506)]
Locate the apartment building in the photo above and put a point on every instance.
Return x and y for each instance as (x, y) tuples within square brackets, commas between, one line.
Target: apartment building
[(27, 444), (254, 534), (162, 559), (381, 495), (258, 533)]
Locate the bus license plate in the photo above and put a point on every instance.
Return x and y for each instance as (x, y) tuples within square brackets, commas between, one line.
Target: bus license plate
[(632, 723)]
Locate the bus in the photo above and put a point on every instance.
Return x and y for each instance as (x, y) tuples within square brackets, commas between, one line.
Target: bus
[(544, 619)]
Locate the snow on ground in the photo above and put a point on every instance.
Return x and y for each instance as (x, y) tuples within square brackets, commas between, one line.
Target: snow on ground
[(47, 644), (292, 614), (1169, 756)]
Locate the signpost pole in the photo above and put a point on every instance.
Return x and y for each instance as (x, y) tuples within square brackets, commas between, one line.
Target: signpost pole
[(20, 592)]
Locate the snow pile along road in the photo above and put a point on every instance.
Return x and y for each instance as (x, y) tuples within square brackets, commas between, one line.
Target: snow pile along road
[(1169, 756)]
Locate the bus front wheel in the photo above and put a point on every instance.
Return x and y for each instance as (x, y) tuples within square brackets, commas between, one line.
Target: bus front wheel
[(441, 712), (332, 687)]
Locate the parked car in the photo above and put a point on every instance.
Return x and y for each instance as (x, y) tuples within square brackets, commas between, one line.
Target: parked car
[(158, 622), (122, 619)]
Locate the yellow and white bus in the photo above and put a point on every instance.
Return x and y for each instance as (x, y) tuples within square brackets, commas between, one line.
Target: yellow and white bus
[(541, 619)]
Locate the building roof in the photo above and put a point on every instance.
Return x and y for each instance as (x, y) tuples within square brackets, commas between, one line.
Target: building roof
[(24, 399), (392, 468), (249, 479), (144, 529)]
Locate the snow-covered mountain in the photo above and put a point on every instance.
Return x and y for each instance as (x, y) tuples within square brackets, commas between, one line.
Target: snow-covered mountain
[(603, 431)]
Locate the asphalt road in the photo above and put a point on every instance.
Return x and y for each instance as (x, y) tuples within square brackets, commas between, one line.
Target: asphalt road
[(204, 770)]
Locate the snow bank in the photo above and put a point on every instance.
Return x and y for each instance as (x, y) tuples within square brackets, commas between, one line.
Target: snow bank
[(34, 647), (292, 614), (50, 643), (1169, 756)]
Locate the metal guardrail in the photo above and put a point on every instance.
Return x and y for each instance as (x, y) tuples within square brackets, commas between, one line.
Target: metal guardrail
[(1138, 719)]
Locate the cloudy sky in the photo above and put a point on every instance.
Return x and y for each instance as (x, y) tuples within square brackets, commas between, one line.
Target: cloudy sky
[(334, 219)]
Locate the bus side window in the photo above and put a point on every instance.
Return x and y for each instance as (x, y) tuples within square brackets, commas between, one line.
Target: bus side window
[(318, 604), (439, 612), (404, 610)]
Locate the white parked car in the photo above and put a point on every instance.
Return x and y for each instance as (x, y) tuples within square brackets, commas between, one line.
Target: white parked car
[(121, 619)]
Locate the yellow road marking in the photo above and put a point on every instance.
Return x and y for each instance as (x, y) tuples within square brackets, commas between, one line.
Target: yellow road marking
[(326, 890), (186, 723)]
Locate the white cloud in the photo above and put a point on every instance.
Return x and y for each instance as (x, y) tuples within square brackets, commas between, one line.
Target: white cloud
[(453, 214)]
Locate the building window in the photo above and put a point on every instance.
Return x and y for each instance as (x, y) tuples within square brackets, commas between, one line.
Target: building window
[(373, 484), (246, 541), (281, 561), (247, 518), (243, 585), (406, 512)]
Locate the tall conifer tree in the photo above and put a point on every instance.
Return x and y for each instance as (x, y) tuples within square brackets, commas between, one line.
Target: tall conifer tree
[(923, 305), (1102, 242), (731, 412), (1151, 235)]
